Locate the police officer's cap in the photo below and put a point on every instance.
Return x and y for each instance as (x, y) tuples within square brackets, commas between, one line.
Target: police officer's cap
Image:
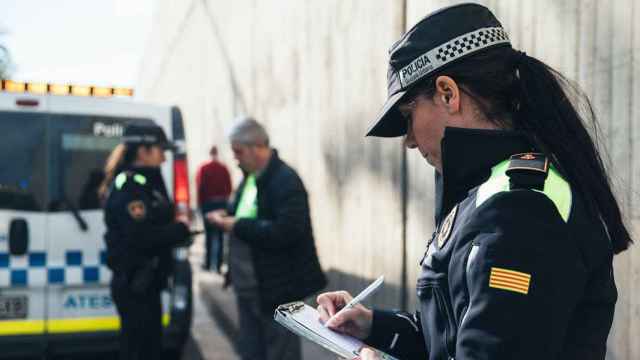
[(146, 134), (439, 39)]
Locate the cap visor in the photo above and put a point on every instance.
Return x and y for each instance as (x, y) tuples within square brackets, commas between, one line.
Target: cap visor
[(169, 146), (389, 122)]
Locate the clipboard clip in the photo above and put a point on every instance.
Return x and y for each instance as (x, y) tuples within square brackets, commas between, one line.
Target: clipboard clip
[(292, 307)]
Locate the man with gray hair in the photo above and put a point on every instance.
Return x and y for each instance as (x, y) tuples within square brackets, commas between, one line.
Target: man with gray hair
[(272, 254)]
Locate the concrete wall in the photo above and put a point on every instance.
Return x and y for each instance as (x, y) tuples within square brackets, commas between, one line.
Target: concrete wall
[(315, 71)]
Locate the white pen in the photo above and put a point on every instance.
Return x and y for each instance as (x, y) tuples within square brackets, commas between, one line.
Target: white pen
[(360, 297)]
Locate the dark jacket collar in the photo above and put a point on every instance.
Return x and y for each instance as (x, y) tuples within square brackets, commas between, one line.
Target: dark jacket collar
[(268, 171), (467, 158)]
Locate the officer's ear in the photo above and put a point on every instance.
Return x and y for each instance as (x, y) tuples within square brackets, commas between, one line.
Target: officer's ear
[(448, 94)]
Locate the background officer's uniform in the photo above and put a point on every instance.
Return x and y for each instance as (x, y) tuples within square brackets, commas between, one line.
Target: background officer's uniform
[(141, 232)]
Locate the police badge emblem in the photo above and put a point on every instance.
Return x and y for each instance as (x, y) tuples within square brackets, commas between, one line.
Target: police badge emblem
[(445, 227), (137, 210)]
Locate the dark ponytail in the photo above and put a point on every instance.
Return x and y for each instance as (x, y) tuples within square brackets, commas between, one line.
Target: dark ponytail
[(514, 90), (553, 110)]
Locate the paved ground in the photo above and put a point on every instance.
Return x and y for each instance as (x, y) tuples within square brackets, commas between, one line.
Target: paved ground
[(208, 341), (222, 307), (216, 314)]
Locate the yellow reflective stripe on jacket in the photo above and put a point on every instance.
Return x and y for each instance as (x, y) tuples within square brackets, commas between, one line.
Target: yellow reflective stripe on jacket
[(61, 326), (21, 327), (555, 188)]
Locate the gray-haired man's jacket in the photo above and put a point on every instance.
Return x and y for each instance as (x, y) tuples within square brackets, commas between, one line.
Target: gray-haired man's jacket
[(280, 239)]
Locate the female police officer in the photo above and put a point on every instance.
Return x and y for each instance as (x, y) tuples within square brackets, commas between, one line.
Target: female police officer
[(141, 231), (520, 266)]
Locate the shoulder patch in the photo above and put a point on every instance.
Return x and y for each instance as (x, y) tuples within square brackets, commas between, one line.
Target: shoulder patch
[(528, 171), (510, 280), (445, 229), (555, 187), (137, 210), (529, 162)]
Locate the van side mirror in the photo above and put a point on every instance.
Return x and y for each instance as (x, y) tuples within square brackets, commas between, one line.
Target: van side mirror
[(18, 237)]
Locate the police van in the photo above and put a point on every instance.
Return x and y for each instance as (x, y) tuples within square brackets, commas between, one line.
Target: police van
[(54, 283)]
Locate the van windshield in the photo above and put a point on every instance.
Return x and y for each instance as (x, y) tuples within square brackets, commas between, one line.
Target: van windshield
[(23, 183), (79, 147), (54, 162)]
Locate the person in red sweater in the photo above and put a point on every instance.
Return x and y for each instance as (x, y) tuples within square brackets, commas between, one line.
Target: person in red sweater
[(214, 188)]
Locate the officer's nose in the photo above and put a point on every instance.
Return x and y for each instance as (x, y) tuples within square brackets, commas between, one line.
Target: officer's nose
[(410, 140)]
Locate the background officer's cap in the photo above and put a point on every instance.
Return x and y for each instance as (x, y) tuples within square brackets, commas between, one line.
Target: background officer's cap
[(439, 39), (147, 134)]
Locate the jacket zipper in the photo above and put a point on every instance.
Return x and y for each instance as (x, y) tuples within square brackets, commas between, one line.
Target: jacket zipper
[(450, 326)]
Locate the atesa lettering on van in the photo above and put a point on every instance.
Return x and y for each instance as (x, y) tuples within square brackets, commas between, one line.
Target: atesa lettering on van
[(88, 301), (107, 130), (415, 70)]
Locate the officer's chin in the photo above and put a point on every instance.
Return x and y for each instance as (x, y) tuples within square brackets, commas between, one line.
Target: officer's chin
[(431, 161)]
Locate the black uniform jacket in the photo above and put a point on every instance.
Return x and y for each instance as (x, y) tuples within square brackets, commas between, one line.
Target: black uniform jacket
[(511, 272), (281, 238), (140, 224)]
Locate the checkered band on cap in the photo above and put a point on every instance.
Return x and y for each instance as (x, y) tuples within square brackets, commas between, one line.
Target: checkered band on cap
[(469, 42), (450, 51)]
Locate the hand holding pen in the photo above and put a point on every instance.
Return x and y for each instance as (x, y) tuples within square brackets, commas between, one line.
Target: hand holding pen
[(343, 313)]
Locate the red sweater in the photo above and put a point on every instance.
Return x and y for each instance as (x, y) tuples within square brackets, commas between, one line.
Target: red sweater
[(213, 182)]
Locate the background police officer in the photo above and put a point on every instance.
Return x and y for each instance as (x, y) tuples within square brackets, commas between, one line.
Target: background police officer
[(520, 266), (141, 231)]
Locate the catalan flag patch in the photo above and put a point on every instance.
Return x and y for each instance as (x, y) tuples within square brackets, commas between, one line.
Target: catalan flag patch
[(509, 280)]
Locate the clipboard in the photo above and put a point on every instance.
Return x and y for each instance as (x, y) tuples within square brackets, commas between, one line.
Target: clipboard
[(303, 320)]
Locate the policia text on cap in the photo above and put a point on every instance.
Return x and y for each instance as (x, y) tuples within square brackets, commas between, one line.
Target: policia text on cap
[(141, 231), (520, 266)]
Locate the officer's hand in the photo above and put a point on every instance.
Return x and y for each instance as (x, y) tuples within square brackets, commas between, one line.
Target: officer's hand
[(215, 216), (368, 354), (221, 220), (355, 321), (183, 218)]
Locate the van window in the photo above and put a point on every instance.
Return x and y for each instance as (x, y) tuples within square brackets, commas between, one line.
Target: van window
[(23, 161), (79, 147)]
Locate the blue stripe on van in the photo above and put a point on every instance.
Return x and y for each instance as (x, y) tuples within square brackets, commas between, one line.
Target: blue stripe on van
[(74, 258), (19, 277), (56, 276), (37, 259), (4, 260), (90, 274), (23, 269)]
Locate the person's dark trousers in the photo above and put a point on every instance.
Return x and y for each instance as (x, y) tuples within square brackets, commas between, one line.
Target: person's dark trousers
[(261, 338), (140, 321), (214, 246)]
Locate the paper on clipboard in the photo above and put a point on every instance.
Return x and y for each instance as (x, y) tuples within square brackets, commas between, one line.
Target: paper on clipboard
[(304, 321)]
